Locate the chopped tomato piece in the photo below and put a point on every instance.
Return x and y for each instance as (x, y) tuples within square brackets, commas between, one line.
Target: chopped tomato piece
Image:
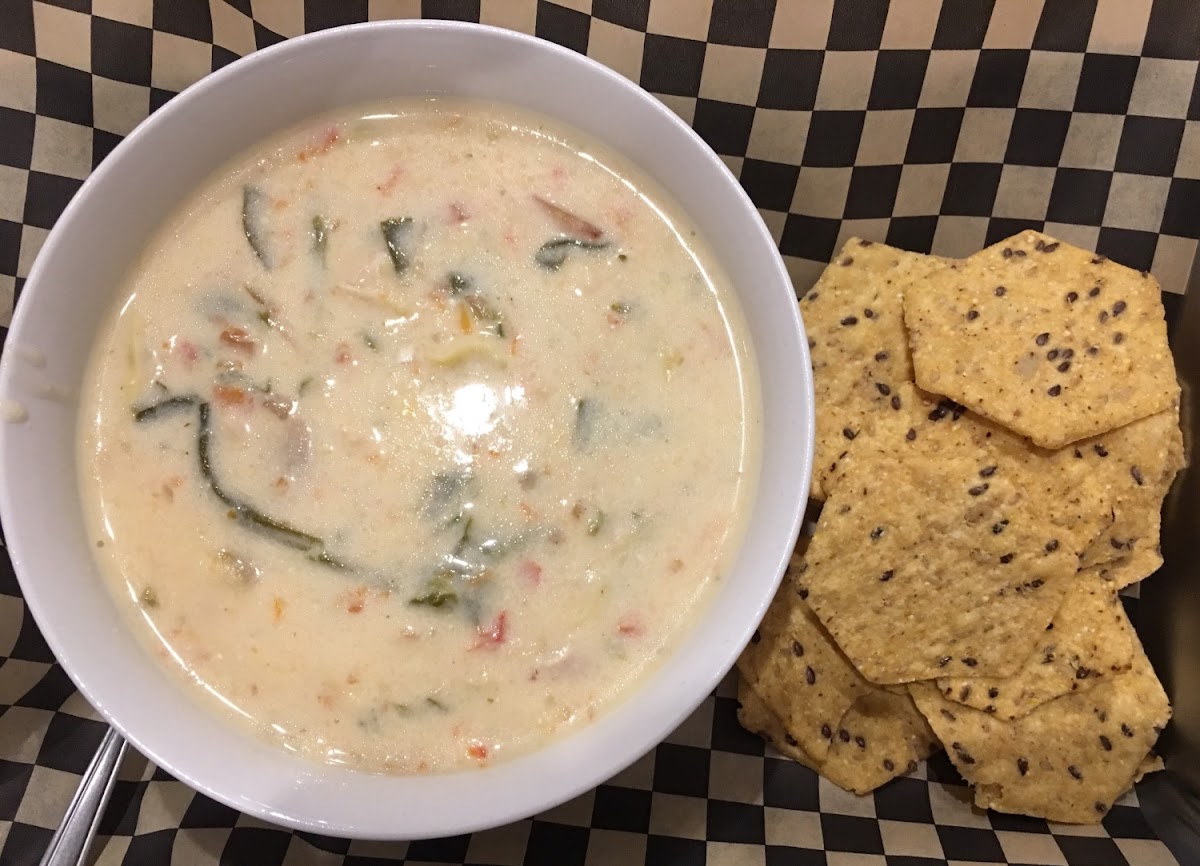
[(477, 750), (457, 213), (630, 625), (228, 395), (493, 634), (531, 571)]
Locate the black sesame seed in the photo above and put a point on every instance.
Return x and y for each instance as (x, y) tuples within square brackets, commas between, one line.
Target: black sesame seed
[(791, 741), (882, 388), (972, 315), (1042, 339), (964, 693), (826, 732), (997, 528), (843, 735), (1040, 245), (1074, 771), (848, 261), (860, 741), (1078, 454), (802, 592), (1007, 253), (1100, 807), (848, 433), (1105, 743), (1126, 730), (863, 243), (896, 401), (1093, 351), (1064, 366), (1119, 307), (850, 320), (999, 292), (958, 412), (812, 296), (993, 692), (1083, 673), (911, 434), (938, 413), (869, 313), (1095, 290), (1019, 253), (1007, 558), (978, 489), (943, 661), (1137, 475), (1051, 247), (1052, 545), (1054, 390), (810, 676), (949, 715), (1022, 766), (1052, 355), (1116, 543), (989, 709), (1118, 338), (881, 356), (963, 754), (1100, 449), (1068, 353), (887, 575), (797, 648), (1103, 316), (876, 533), (888, 765), (1099, 260), (1072, 297), (970, 662), (987, 471), (755, 638), (812, 344)]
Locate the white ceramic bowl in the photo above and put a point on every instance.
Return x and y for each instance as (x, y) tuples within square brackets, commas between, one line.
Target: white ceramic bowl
[(72, 284)]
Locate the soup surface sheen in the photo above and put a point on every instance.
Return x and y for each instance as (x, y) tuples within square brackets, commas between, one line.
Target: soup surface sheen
[(419, 434)]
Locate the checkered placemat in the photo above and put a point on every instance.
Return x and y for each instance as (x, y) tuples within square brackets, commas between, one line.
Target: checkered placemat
[(934, 127)]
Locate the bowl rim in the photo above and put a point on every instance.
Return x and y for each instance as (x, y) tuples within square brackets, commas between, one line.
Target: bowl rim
[(515, 808)]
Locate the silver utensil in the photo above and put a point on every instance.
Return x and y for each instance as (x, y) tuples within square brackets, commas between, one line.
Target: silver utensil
[(70, 843)]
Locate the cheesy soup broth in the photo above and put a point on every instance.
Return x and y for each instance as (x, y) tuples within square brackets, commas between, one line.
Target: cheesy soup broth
[(419, 435)]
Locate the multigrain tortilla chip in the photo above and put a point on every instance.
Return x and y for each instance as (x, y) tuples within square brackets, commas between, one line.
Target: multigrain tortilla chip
[(1089, 641), (1044, 338), (1136, 567), (794, 664), (930, 558), (1069, 759), (881, 737), (1131, 469), (858, 342)]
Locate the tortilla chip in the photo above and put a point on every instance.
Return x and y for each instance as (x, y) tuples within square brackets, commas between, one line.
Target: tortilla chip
[(859, 346), (1043, 338), (882, 736), (1089, 641), (797, 668), (1066, 761), (1136, 567), (931, 558), (1132, 469)]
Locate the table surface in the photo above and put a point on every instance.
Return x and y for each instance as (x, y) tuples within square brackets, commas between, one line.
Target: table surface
[(931, 128)]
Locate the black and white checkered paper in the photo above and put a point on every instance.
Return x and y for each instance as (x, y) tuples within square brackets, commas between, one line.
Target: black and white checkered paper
[(934, 126)]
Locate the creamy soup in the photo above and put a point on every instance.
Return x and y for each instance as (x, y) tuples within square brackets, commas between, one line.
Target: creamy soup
[(419, 435)]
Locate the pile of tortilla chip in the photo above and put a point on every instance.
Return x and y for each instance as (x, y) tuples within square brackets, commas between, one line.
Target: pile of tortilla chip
[(995, 438)]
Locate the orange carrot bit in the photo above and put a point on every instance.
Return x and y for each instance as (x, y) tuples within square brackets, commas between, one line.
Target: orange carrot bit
[(228, 395), (477, 750), (277, 606), (514, 344), (240, 340), (528, 510), (355, 599), (465, 322)]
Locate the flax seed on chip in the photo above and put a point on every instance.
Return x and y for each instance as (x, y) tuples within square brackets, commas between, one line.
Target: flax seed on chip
[(858, 343), (1044, 338)]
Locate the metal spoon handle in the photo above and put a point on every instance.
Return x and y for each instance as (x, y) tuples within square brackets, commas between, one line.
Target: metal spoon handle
[(70, 842)]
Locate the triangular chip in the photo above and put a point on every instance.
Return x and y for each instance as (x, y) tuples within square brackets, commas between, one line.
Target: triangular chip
[(1089, 641), (1044, 338), (881, 737), (930, 557), (794, 664), (1066, 761), (859, 347)]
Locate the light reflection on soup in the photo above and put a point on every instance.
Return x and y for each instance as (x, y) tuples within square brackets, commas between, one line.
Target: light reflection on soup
[(419, 434)]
